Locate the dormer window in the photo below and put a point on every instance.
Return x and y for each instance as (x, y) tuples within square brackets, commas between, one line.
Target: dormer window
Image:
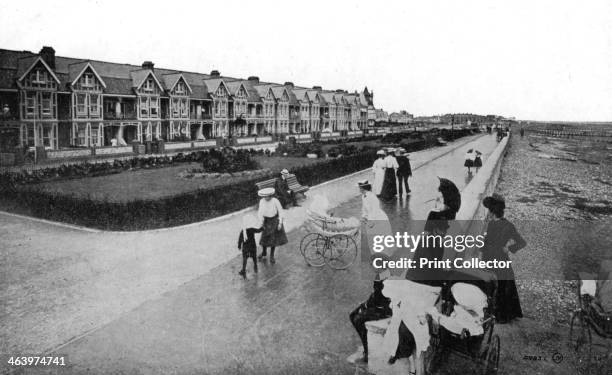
[(40, 77), (148, 85), (87, 80), (220, 92), (180, 88)]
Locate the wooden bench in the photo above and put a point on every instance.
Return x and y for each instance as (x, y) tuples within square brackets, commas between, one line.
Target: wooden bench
[(292, 181)]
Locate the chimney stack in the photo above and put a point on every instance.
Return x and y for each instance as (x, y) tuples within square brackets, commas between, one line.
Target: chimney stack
[(317, 88), (253, 79), (148, 65), (215, 74), (290, 84), (48, 55)]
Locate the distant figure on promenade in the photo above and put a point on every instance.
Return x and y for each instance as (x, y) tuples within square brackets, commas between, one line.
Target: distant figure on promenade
[(379, 172), (389, 188), (500, 232), (469, 160), (246, 242), (522, 132), (403, 172), (282, 191), (375, 308), (270, 212), (477, 160)]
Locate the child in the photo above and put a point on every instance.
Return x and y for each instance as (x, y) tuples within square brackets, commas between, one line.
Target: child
[(246, 243)]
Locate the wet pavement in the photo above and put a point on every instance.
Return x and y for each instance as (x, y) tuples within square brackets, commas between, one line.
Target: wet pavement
[(287, 319)]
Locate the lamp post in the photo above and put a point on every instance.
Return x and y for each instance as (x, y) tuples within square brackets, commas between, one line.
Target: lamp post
[(453, 127)]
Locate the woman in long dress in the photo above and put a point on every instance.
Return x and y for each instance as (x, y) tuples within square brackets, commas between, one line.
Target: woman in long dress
[(389, 188), (375, 222), (379, 172), (469, 160), (447, 205), (500, 233), (270, 212)]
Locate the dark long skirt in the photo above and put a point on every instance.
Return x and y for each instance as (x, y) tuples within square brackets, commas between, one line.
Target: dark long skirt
[(271, 236), (508, 305), (478, 162), (468, 163), (389, 189)]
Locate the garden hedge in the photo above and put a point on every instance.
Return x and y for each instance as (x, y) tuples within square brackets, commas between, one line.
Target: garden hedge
[(179, 209)]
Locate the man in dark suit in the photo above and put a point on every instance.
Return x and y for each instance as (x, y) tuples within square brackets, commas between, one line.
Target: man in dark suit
[(282, 191), (404, 171)]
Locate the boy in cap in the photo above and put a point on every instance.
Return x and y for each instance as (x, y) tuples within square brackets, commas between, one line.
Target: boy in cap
[(246, 242)]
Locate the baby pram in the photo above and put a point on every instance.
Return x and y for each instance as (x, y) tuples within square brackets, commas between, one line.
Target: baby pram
[(457, 327), (329, 240), (590, 317)]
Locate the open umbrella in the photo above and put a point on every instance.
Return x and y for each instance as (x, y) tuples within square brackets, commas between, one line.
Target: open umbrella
[(450, 193)]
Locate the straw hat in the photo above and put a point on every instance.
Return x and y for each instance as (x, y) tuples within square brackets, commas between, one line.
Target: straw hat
[(285, 171), (380, 152), (267, 192), (364, 184)]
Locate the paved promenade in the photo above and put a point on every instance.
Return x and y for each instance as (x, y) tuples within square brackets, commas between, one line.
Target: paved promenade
[(171, 296)]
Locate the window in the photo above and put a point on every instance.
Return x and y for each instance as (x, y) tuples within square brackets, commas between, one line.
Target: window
[(175, 107), (148, 86), (94, 105), (47, 108), (144, 106), (180, 88), (31, 103), (154, 106), (87, 80), (40, 77), (184, 107), (81, 104)]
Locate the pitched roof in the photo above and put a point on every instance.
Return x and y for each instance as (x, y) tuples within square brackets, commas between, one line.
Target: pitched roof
[(292, 98), (234, 87), (170, 80), (278, 91), (328, 97), (77, 69), (212, 84), (262, 90)]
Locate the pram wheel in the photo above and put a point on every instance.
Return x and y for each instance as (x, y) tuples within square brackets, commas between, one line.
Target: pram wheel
[(313, 252), (341, 252), (580, 339), (491, 361)]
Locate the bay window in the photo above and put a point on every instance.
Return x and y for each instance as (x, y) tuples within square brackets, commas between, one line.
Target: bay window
[(154, 106), (184, 112), (81, 104), (47, 107), (175, 107), (30, 104), (94, 105), (144, 106)]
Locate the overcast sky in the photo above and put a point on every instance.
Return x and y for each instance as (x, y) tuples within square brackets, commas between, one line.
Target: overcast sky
[(544, 60)]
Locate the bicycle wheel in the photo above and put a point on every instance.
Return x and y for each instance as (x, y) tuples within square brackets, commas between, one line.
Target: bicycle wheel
[(314, 250), (341, 252), (307, 238)]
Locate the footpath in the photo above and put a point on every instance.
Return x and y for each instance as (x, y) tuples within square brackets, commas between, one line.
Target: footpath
[(62, 284)]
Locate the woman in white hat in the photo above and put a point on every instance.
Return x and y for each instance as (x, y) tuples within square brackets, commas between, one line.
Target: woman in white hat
[(270, 212), (379, 172), (375, 223), (389, 188)]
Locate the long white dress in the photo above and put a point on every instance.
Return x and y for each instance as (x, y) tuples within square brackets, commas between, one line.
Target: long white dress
[(379, 175), (377, 223)]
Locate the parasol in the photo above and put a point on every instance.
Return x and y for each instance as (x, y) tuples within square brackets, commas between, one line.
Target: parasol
[(450, 193)]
